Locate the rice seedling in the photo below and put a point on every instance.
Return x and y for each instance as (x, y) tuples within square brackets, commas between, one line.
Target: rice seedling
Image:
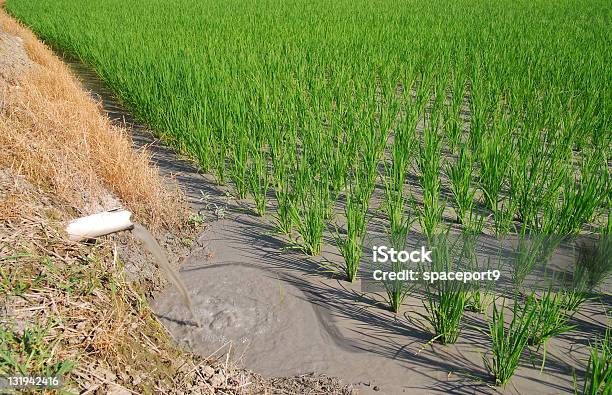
[(339, 155), (219, 147), (508, 342), (550, 318), (598, 374), (396, 290), (284, 197), (445, 308), (398, 209), (496, 156), (455, 124), (429, 165), (593, 266), (259, 181), (460, 174), (580, 199), (480, 299), (445, 301), (481, 294), (474, 224), (395, 196), (592, 269), (503, 216), (281, 147), (528, 253), (239, 163), (343, 86), (351, 243), (532, 186), (284, 202), (310, 212)]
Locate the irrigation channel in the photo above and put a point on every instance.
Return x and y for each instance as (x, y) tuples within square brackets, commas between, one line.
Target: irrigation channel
[(278, 313)]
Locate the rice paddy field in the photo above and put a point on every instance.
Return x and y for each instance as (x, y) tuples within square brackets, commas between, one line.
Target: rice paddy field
[(477, 117)]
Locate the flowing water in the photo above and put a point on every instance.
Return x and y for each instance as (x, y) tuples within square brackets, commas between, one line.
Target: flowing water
[(149, 242)]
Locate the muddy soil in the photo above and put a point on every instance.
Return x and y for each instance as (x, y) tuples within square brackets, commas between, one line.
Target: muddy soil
[(283, 315)]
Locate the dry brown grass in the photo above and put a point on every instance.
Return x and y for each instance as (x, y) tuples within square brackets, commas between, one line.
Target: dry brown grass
[(59, 158), (54, 133), (68, 305)]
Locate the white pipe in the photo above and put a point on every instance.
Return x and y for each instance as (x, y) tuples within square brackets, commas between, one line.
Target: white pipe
[(99, 224)]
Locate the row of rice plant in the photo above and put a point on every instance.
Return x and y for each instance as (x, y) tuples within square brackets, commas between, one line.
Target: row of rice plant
[(483, 117)]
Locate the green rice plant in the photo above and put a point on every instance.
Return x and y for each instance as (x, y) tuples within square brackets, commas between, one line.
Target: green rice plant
[(460, 174), (574, 298), (285, 202), (598, 374), (281, 147), (508, 342), (351, 243), (528, 252), (398, 214), (474, 224), (503, 216), (445, 308), (325, 93), (396, 290), (394, 181), (240, 163), (480, 299), (481, 294), (259, 181), (444, 301), (428, 163), (532, 185), (550, 318), (593, 266), (495, 160), (351, 246), (309, 213), (219, 147), (478, 111), (579, 199), (338, 165), (454, 126)]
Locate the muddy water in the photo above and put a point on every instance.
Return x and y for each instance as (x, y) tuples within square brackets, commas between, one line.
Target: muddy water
[(151, 245), (283, 315), (279, 313)]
